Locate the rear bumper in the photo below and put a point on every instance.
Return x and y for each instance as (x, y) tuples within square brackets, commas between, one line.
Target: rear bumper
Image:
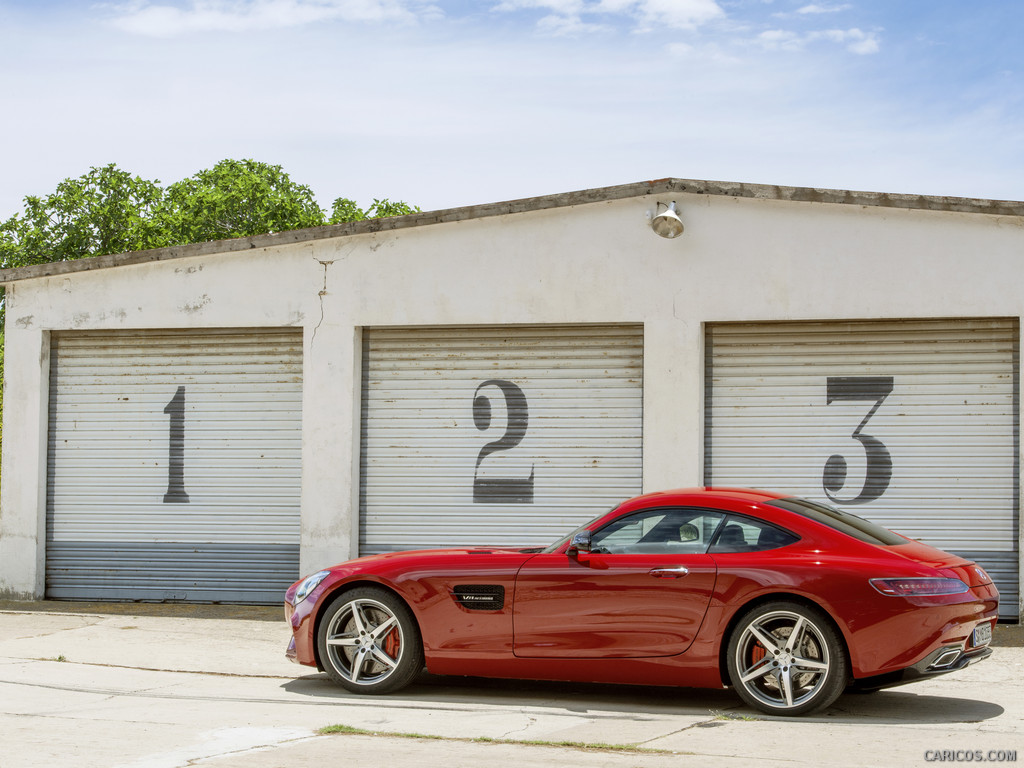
[(941, 661)]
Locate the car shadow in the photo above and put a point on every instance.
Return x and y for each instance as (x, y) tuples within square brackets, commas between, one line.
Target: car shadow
[(904, 706), (578, 698), (437, 692)]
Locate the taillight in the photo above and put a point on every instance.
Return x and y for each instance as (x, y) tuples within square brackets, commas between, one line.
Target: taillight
[(972, 574), (916, 587)]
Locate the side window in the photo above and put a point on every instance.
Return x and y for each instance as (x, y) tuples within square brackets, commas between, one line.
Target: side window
[(659, 531), (742, 534)]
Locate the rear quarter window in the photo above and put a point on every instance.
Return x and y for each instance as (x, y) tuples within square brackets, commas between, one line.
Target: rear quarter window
[(837, 519)]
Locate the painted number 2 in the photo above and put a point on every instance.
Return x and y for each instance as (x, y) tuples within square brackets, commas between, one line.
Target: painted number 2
[(176, 450), (501, 490), (879, 462)]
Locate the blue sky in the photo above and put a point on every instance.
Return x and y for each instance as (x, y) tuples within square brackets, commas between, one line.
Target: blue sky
[(455, 103)]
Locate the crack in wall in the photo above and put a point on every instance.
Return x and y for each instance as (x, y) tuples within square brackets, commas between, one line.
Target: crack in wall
[(321, 294)]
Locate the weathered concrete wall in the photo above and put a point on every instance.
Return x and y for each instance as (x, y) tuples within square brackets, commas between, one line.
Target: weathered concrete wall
[(740, 258)]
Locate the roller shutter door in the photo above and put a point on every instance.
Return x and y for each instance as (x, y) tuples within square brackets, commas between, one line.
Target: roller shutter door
[(497, 435), (912, 424), (174, 465)]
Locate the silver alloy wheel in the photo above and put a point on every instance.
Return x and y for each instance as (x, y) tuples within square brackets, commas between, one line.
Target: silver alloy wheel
[(365, 641), (782, 660)]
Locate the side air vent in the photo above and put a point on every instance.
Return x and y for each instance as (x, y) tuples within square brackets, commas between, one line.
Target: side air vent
[(480, 597)]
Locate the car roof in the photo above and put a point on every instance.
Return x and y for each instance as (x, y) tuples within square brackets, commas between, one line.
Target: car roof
[(713, 492)]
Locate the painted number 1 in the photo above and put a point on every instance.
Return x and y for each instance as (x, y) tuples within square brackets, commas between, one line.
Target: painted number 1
[(176, 450), (502, 490), (879, 462)]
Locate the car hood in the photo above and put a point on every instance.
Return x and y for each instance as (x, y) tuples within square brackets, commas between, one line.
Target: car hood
[(433, 554)]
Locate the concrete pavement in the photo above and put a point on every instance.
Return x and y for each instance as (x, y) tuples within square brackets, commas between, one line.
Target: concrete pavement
[(168, 686)]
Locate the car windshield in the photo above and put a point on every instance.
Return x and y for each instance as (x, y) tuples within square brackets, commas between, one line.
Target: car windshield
[(844, 522)]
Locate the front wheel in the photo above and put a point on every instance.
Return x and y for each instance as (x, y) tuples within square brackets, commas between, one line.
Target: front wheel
[(786, 659), (369, 641)]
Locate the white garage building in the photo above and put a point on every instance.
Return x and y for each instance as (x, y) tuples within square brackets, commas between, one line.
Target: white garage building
[(207, 422)]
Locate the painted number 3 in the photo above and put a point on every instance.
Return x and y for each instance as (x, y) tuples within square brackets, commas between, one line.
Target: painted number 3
[(502, 490), (879, 462)]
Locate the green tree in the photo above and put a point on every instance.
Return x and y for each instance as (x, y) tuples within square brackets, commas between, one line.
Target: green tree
[(348, 210), (235, 198), (105, 211), (108, 210)]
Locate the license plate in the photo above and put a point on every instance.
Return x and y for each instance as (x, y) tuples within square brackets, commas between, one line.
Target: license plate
[(982, 635)]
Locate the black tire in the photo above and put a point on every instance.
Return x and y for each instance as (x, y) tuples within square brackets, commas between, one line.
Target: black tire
[(785, 658), (369, 641)]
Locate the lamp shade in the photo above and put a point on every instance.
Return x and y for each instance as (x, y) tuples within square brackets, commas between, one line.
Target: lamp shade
[(667, 223)]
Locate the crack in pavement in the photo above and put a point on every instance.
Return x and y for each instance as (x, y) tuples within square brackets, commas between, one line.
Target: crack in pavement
[(17, 659), (532, 720), (260, 748), (220, 743), (362, 703)]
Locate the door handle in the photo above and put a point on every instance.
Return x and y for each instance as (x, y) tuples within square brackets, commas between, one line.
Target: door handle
[(669, 572)]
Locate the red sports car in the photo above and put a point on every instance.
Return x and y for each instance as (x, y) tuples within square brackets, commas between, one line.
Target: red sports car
[(788, 601)]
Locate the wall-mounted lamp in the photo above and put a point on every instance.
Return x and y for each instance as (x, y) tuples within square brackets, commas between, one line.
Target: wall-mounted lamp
[(667, 223)]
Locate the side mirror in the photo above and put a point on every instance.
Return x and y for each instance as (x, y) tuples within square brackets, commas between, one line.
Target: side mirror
[(580, 542)]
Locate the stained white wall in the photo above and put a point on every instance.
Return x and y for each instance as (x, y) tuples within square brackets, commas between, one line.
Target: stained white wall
[(738, 259)]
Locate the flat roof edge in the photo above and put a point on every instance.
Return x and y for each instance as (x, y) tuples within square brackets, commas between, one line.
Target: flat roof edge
[(523, 205)]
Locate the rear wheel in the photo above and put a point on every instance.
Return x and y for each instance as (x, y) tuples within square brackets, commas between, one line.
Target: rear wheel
[(369, 642), (786, 659)]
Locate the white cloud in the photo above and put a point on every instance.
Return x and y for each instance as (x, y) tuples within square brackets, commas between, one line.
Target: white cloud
[(561, 7), (645, 14), (814, 8), (569, 25), (680, 14), (855, 40), (711, 54), (680, 50), (782, 39), (159, 20)]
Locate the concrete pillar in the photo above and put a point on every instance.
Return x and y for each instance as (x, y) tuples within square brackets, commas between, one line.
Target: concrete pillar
[(23, 502)]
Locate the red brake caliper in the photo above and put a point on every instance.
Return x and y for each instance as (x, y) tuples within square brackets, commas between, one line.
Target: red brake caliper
[(392, 643), (757, 653)]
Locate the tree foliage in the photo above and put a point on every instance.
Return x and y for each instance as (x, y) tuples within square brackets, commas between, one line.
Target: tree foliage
[(105, 211), (345, 210), (108, 210), (235, 198)]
